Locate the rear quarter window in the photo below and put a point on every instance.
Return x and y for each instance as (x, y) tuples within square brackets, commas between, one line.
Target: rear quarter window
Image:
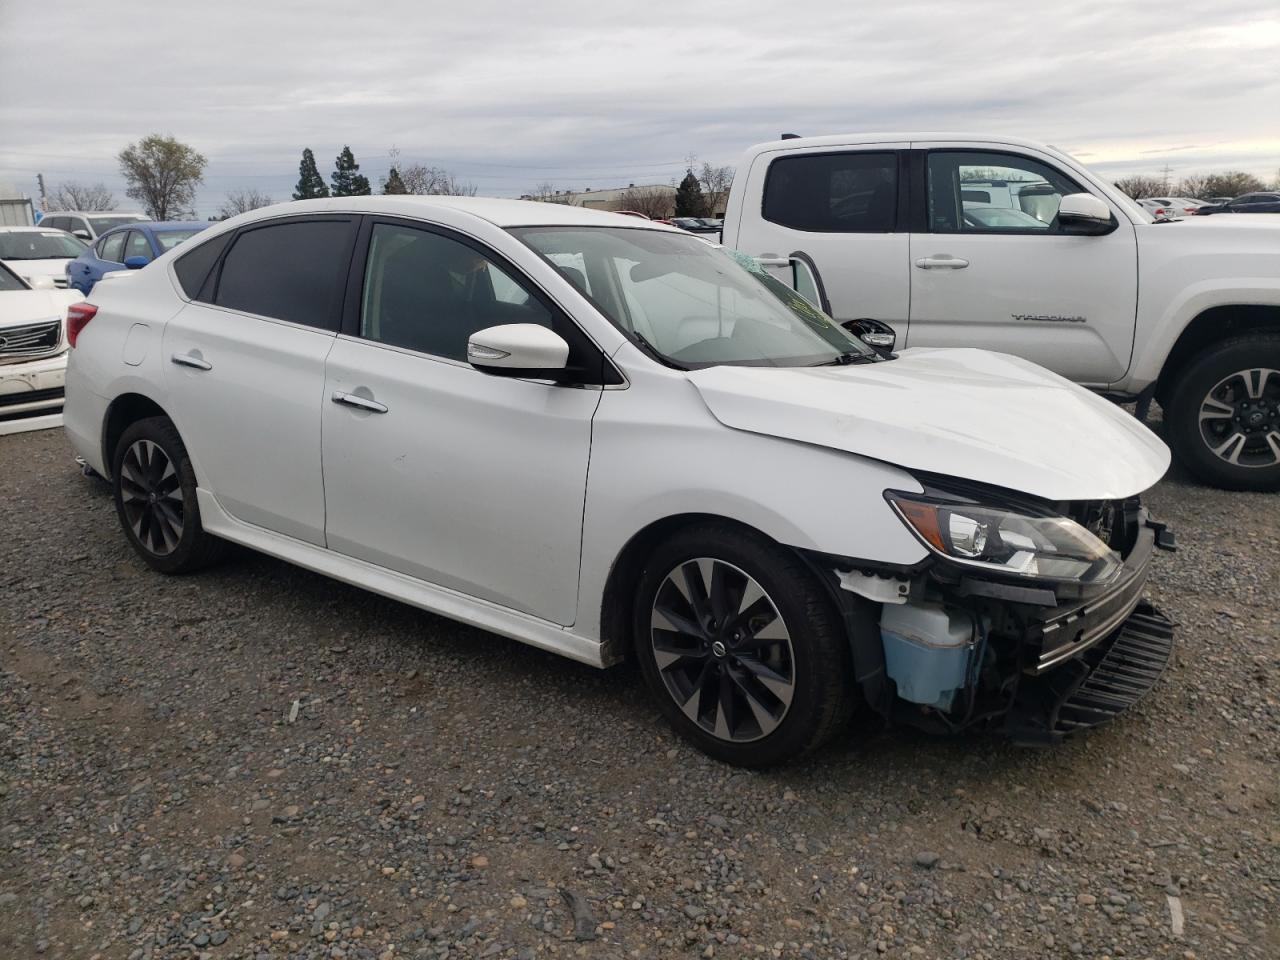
[(194, 268)]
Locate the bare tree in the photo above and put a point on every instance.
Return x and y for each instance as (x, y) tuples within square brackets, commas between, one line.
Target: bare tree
[(1194, 185), (657, 203), (421, 179), (71, 195), (547, 193), (1139, 186), (242, 201), (1232, 183), (715, 182), (162, 174)]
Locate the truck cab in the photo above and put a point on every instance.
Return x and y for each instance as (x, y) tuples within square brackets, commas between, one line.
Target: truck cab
[(1009, 245)]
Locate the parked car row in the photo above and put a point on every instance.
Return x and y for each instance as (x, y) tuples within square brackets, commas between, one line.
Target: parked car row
[(607, 437), (1261, 202)]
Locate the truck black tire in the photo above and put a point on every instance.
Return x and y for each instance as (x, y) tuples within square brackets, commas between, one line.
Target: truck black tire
[(1223, 414)]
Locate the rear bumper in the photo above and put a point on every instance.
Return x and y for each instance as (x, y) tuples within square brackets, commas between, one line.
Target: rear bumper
[(1091, 689)]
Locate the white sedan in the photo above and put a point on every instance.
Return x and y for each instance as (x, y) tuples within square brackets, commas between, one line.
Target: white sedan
[(608, 438), (33, 352), (35, 252)]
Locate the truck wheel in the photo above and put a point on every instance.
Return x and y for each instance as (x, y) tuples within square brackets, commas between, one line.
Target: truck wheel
[(744, 651), (1223, 416)]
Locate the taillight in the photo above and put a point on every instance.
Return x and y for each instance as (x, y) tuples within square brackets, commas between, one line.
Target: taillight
[(1159, 212), (78, 317)]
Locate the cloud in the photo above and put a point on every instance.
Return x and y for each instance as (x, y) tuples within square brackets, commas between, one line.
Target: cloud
[(590, 94)]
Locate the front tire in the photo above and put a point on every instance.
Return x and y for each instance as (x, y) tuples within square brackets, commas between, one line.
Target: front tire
[(155, 494), (1223, 415), (743, 649)]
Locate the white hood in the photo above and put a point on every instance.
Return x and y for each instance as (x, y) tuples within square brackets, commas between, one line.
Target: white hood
[(965, 413), (29, 306), (56, 267)]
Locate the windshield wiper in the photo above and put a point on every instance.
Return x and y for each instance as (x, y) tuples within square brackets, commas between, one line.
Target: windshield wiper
[(847, 358)]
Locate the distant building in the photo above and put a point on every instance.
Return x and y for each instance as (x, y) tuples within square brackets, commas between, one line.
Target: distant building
[(610, 199)]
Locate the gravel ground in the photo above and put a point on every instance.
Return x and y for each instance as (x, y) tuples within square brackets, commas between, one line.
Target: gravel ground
[(259, 762)]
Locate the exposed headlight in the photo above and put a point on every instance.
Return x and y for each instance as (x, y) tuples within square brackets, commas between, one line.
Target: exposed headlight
[(1005, 541)]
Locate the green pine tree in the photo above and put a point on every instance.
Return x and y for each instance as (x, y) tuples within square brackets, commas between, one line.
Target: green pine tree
[(311, 185), (346, 177), (393, 183), (690, 201)]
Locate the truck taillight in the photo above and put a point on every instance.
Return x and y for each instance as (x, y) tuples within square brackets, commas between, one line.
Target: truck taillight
[(78, 317)]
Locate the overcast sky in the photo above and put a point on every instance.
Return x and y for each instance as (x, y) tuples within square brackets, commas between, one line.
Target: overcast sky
[(602, 94)]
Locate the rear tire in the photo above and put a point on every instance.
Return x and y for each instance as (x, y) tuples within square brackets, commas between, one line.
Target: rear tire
[(743, 649), (1223, 414), (155, 493)]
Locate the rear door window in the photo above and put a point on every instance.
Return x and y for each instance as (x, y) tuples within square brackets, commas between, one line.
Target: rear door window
[(112, 247), (833, 192), (294, 271)]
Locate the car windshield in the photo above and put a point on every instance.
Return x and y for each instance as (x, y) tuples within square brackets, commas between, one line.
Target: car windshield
[(39, 245), (692, 303), (102, 224), (9, 281), (168, 239)]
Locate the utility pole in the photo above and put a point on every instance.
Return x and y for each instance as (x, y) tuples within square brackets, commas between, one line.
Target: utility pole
[(44, 202)]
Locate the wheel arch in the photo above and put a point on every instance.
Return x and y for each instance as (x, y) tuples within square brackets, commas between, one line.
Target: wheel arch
[(124, 411), (1208, 327), (616, 600)]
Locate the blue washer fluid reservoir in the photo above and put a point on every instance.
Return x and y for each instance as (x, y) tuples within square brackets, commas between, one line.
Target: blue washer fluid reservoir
[(927, 651)]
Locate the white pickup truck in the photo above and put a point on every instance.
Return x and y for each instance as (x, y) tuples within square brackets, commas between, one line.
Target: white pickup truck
[(949, 240)]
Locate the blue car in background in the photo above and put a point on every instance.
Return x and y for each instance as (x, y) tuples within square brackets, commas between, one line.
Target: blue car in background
[(129, 247)]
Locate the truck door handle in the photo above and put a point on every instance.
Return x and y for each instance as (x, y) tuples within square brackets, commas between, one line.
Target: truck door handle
[(187, 360), (361, 403), (942, 262)]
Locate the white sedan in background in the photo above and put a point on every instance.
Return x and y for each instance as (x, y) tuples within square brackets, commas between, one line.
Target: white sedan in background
[(39, 252), (33, 352)]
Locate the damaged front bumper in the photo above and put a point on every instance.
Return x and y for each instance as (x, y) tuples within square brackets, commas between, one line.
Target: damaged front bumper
[(1039, 665)]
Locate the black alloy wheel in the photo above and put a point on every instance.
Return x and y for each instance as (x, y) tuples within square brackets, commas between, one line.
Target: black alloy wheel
[(743, 648), (155, 493), (723, 650)]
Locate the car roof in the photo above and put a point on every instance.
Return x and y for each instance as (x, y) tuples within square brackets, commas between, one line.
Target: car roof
[(28, 229), (500, 212)]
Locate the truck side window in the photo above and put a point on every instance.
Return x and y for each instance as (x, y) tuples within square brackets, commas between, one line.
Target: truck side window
[(976, 192), (833, 192)]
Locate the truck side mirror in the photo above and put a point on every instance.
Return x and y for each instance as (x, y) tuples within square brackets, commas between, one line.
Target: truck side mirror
[(876, 334), (1083, 213)]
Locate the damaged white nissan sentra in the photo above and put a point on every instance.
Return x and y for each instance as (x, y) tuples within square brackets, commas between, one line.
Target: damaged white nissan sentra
[(605, 437)]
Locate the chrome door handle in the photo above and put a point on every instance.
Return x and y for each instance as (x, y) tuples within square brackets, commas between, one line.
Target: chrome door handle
[(945, 263), (187, 360), (362, 403)]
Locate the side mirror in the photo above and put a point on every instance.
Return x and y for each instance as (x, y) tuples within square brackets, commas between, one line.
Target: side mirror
[(519, 350), (136, 263), (82, 234), (42, 283), (876, 334), (1083, 213)]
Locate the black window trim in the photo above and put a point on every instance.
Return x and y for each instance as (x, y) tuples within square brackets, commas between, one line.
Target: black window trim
[(609, 377), (928, 227), (214, 277), (900, 207)]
